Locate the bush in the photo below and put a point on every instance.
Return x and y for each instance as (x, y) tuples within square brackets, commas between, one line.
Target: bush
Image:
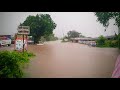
[(114, 43), (111, 43), (107, 43), (12, 62), (119, 41), (101, 41)]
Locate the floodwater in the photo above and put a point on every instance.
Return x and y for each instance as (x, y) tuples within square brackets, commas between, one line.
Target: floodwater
[(8, 48), (70, 60)]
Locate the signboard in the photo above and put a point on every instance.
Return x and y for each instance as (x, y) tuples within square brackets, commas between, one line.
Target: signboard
[(19, 45), (19, 42), (21, 38), (23, 30)]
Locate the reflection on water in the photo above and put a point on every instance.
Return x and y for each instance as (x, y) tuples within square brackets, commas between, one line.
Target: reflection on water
[(69, 60)]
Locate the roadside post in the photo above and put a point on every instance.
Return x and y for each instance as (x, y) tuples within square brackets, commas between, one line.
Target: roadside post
[(21, 38)]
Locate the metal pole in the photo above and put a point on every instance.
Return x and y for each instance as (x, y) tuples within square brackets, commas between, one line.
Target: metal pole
[(26, 41), (23, 43)]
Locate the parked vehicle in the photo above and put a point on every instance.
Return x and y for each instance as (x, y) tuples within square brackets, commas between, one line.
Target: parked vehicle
[(93, 44), (5, 40), (30, 42)]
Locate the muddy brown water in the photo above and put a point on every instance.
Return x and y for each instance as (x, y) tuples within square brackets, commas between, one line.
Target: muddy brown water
[(70, 60)]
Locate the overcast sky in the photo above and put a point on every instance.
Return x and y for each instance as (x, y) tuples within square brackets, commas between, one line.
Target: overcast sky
[(84, 22)]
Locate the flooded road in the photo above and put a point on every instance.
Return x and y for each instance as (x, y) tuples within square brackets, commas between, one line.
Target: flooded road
[(8, 48), (70, 60)]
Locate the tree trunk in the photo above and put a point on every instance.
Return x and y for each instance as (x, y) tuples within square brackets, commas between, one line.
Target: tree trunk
[(35, 40)]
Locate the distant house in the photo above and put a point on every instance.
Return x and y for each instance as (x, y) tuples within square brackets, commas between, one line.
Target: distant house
[(86, 40), (89, 40), (82, 39)]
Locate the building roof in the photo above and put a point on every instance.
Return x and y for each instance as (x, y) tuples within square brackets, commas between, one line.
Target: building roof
[(88, 38)]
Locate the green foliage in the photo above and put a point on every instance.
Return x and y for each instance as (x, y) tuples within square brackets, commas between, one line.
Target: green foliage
[(107, 43), (74, 34), (11, 63), (40, 25), (111, 43), (50, 37), (104, 17), (101, 41), (27, 54)]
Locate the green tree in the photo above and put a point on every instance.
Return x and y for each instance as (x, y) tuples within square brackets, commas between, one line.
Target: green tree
[(49, 37), (40, 25), (101, 41), (73, 34), (104, 17), (81, 35)]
